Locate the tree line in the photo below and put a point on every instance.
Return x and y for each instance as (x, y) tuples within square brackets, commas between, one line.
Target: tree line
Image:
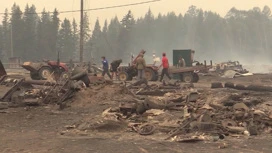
[(241, 34)]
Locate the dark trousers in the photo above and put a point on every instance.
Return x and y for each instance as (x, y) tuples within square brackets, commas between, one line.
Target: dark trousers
[(165, 72), (106, 71)]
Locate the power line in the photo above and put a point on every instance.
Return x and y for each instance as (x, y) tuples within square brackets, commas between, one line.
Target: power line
[(100, 8)]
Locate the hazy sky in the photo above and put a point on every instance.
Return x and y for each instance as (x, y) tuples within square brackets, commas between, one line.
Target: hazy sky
[(163, 6)]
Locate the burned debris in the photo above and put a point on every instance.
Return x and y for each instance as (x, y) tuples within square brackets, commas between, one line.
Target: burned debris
[(18, 91), (177, 110), (15, 90), (184, 114)]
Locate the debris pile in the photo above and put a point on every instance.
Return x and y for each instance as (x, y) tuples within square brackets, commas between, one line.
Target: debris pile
[(184, 114), (15, 90)]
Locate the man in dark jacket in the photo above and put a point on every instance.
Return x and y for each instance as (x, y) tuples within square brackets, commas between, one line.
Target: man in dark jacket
[(105, 67), (113, 67)]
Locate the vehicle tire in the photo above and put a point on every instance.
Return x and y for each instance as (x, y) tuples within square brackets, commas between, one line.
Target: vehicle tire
[(64, 75), (187, 77), (123, 76), (150, 74), (34, 76), (195, 77), (45, 72)]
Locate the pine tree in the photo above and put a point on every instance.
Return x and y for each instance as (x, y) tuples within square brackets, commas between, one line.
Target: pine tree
[(65, 40), (86, 37), (30, 32), (6, 35), (112, 37), (124, 38), (105, 44), (17, 31), (2, 53), (55, 22), (75, 41), (94, 41), (43, 36)]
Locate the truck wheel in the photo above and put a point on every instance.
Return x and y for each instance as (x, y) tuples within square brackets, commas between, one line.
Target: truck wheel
[(123, 76), (150, 74), (195, 77), (34, 76), (187, 77), (45, 72)]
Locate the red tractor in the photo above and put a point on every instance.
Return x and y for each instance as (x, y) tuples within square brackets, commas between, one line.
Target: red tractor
[(46, 69), (126, 73)]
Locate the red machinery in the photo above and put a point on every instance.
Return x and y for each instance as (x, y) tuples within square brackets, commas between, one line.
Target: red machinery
[(43, 70), (128, 72)]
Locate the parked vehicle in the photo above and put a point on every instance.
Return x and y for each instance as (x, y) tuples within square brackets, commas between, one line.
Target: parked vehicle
[(189, 73), (231, 65), (126, 73), (43, 70)]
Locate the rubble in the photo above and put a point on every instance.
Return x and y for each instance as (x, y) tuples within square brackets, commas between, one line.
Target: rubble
[(179, 112), (18, 91), (155, 114)]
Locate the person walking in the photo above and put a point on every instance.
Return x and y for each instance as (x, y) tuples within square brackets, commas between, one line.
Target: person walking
[(165, 65), (105, 67), (140, 65)]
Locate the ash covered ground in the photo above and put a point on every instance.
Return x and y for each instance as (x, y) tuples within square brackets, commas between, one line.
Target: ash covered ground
[(93, 122)]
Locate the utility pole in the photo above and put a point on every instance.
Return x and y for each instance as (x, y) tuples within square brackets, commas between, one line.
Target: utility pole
[(81, 33)]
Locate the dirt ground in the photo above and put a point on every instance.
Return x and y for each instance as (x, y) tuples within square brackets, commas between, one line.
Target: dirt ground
[(40, 129)]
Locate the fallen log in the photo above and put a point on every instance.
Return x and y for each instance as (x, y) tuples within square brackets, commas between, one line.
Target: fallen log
[(32, 102), (229, 85), (188, 85), (41, 82), (138, 83), (235, 129), (216, 85), (152, 93), (179, 99), (135, 87), (240, 87), (170, 83), (253, 87), (168, 87), (259, 88)]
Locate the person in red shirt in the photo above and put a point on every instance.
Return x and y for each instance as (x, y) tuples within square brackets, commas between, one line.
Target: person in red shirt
[(165, 66)]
